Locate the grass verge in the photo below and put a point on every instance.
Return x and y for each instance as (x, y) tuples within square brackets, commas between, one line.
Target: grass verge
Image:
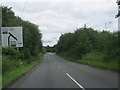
[(9, 77), (0, 70), (111, 65)]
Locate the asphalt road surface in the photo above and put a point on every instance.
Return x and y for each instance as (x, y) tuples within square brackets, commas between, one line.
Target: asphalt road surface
[(55, 72)]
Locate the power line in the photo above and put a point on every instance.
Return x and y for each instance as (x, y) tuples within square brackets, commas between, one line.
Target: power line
[(23, 8)]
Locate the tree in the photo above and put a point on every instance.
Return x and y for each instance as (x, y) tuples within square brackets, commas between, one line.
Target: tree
[(87, 40), (31, 33)]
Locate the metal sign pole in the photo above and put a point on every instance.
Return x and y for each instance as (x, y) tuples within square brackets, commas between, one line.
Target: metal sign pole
[(18, 49)]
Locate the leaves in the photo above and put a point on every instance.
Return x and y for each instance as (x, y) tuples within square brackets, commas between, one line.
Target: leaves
[(31, 33), (88, 40)]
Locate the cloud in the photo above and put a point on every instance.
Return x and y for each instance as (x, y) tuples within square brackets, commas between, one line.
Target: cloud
[(57, 1), (50, 38), (56, 18)]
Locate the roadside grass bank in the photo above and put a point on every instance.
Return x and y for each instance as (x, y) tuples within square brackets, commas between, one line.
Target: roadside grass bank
[(0, 70), (97, 62), (10, 76)]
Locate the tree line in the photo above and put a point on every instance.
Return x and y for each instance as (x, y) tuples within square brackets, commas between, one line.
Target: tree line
[(32, 44), (87, 40)]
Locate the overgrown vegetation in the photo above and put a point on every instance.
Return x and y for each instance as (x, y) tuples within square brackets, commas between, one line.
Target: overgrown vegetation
[(14, 62), (95, 61), (88, 46), (17, 68)]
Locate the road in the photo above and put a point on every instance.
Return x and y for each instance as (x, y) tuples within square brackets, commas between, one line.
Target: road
[(55, 72)]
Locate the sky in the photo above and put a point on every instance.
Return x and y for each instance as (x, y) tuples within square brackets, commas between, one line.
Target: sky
[(56, 17)]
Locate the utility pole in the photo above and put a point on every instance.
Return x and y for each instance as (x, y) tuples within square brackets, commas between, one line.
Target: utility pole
[(0, 22), (0, 48)]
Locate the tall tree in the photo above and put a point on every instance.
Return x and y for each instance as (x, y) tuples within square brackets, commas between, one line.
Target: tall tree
[(31, 33)]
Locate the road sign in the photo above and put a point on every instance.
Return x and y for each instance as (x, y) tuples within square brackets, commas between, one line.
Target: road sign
[(12, 36)]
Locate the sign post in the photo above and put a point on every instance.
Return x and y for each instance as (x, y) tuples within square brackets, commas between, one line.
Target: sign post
[(12, 36)]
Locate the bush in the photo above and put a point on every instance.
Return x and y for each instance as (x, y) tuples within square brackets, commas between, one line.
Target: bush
[(13, 53), (9, 64), (26, 53), (20, 55), (93, 56), (9, 51)]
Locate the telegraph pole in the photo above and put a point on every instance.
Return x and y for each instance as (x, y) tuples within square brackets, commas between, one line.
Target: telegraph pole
[(0, 48), (0, 22)]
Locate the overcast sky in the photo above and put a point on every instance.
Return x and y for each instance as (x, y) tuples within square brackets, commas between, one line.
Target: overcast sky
[(56, 17)]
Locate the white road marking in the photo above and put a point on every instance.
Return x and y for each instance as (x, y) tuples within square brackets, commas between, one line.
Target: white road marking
[(75, 81)]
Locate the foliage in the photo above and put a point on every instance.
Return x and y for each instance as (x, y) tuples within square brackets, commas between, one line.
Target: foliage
[(11, 76), (31, 34), (93, 56), (65, 42), (94, 60), (86, 42), (48, 49), (9, 51), (12, 58)]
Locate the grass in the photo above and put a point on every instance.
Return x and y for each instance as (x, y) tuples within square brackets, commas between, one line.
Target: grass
[(9, 77), (0, 81), (112, 65), (0, 70), (96, 62)]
